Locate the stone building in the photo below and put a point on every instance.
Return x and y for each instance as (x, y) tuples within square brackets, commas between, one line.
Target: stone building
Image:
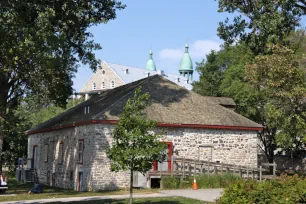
[(69, 150), (109, 75)]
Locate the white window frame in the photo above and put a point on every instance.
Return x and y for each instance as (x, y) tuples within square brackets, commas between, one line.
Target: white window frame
[(94, 86), (103, 85), (113, 84)]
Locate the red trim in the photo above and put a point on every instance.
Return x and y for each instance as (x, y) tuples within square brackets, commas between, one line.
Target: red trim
[(32, 165), (82, 151), (170, 153), (198, 126)]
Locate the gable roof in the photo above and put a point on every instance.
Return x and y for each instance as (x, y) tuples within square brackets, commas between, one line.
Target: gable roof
[(135, 74), (171, 105)]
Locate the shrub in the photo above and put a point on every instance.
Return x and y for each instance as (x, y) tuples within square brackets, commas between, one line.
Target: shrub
[(203, 181), (283, 189), (169, 182)]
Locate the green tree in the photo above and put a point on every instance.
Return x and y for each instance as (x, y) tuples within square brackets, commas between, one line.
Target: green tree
[(42, 43), (260, 22), (282, 76), (135, 146), (211, 74)]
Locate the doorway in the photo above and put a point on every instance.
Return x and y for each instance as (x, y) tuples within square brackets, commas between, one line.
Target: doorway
[(80, 181), (34, 159)]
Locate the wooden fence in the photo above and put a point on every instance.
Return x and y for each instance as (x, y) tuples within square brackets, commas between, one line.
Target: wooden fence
[(182, 167)]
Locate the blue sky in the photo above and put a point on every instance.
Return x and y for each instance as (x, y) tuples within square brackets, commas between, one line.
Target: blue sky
[(163, 24)]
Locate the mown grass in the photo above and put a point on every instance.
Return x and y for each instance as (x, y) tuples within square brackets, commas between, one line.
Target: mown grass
[(172, 200), (50, 192), (203, 181)]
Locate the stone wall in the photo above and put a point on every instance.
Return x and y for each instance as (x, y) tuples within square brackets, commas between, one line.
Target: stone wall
[(103, 74), (226, 146), (95, 167), (232, 147)]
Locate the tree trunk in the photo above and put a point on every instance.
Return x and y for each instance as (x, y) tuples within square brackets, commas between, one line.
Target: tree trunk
[(131, 187)]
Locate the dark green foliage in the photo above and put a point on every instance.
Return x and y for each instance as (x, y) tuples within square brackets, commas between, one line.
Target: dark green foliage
[(203, 181), (260, 22), (284, 189), (42, 43)]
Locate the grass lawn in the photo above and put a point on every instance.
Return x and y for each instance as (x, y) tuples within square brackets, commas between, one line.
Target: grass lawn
[(173, 200), (50, 192)]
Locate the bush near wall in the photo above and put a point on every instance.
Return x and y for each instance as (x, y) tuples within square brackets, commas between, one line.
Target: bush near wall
[(283, 189), (203, 181)]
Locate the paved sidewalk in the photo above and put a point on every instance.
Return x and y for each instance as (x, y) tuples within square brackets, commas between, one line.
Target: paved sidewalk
[(209, 195), (65, 200)]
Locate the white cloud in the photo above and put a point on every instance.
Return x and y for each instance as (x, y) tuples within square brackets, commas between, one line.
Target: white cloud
[(169, 58), (198, 49)]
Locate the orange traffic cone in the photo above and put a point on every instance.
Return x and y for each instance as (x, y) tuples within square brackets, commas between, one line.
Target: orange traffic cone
[(195, 185)]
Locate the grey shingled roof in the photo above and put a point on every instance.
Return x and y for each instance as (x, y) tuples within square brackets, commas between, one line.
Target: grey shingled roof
[(170, 104)]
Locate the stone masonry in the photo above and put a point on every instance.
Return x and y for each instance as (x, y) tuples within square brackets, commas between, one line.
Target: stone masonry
[(103, 75), (227, 146)]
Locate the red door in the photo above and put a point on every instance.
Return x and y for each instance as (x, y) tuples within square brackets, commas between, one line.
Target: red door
[(157, 166)]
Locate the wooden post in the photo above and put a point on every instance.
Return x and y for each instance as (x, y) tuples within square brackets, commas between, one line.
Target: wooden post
[(221, 168), (274, 169), (195, 167), (215, 170), (240, 171), (183, 167), (253, 174), (172, 166), (247, 171), (260, 173)]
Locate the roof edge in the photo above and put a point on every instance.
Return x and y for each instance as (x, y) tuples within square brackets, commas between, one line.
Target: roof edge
[(197, 126)]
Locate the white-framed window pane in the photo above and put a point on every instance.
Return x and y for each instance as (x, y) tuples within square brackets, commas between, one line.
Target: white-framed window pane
[(113, 84), (94, 86)]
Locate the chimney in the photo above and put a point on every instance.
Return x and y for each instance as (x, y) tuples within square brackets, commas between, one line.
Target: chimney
[(161, 72)]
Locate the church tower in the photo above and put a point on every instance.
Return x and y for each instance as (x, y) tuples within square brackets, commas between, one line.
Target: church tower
[(150, 64), (186, 67)]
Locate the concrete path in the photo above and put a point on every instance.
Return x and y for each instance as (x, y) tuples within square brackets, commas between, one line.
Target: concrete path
[(209, 195), (65, 200)]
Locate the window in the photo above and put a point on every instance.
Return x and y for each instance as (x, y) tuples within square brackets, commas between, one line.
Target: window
[(46, 153), (113, 84), (94, 87), (80, 151), (61, 153), (103, 85), (103, 72), (71, 175)]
